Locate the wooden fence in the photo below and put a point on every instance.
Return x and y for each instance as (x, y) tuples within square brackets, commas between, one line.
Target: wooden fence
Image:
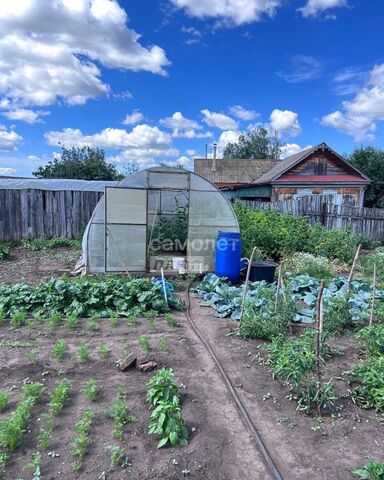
[(320, 209), (34, 213)]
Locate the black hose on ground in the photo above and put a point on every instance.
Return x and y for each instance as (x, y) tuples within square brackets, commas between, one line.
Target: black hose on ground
[(243, 412)]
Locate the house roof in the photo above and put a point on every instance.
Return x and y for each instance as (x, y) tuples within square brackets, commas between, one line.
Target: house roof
[(233, 171), (284, 165)]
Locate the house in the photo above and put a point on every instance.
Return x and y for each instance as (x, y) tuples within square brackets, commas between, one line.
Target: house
[(315, 171)]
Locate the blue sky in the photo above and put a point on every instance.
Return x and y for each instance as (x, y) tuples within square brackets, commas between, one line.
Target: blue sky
[(152, 81)]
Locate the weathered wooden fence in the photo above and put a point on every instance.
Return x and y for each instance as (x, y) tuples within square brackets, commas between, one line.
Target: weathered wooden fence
[(34, 213), (321, 209)]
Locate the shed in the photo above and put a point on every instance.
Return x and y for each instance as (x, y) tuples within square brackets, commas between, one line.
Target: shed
[(154, 219)]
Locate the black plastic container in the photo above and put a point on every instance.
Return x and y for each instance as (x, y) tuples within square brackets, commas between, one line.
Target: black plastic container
[(262, 271)]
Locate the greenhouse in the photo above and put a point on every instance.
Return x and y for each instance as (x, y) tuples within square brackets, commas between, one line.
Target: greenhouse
[(162, 217)]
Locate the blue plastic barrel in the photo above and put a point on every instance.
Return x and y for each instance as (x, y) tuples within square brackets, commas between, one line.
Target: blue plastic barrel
[(228, 255)]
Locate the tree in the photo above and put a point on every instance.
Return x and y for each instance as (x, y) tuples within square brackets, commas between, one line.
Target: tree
[(371, 162), (83, 163), (258, 143)]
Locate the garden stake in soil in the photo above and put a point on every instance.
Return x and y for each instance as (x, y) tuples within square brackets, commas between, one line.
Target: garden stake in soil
[(246, 283), (373, 295), (319, 333), (353, 266)]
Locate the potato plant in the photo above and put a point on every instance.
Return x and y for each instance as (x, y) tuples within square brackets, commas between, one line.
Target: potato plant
[(82, 440), (59, 349), (90, 390), (83, 352)]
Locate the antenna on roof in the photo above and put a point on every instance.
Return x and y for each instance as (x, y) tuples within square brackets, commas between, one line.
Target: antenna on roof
[(206, 150), (214, 169)]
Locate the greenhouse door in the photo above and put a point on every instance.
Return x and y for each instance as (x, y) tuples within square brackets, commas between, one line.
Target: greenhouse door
[(125, 229)]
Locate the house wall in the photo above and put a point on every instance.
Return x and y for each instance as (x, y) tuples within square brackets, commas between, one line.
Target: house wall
[(334, 165), (352, 196)]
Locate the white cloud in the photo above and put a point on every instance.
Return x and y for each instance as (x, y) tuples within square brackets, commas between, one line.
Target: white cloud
[(183, 127), (9, 139), (230, 12), (291, 148), (133, 118), (284, 121), (359, 117), (242, 113), (315, 7), (219, 120), (142, 144), (33, 158), (7, 171), (301, 68), (229, 136), (26, 115), (49, 50), (191, 153)]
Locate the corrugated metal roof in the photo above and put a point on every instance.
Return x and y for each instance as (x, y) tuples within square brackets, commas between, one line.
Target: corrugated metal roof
[(284, 165), (233, 170), (54, 184)]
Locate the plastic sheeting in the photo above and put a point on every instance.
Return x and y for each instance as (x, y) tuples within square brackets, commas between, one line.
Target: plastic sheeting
[(119, 234)]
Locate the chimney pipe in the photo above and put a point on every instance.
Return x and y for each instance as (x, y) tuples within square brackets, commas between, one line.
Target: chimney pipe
[(206, 150), (214, 169)]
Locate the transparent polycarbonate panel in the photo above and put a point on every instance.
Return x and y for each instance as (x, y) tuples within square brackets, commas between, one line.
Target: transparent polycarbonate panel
[(95, 249), (136, 180), (210, 208), (126, 206), (126, 248), (199, 183), (167, 202), (99, 212), (168, 180)]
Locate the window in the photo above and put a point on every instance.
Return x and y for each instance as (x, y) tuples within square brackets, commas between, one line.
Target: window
[(320, 166)]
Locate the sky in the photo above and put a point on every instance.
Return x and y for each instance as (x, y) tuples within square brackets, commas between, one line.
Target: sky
[(156, 81)]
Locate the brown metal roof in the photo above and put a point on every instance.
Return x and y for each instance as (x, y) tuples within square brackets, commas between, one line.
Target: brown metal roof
[(284, 165), (233, 170)]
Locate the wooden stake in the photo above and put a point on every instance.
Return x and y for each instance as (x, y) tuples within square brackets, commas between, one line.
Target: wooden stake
[(353, 267), (279, 286), (319, 332), (246, 283), (373, 295)]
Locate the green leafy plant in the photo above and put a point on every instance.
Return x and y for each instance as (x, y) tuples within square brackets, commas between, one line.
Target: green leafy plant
[(34, 465), (72, 320), (113, 319), (373, 470), (59, 349), (164, 344), (373, 339), (119, 458), (82, 440), (4, 400), (369, 377), (132, 320), (144, 343), (18, 318), (54, 320), (311, 395), (90, 390), (32, 355), (103, 350), (170, 320), (45, 431), (307, 264), (167, 422), (120, 414), (4, 251), (60, 396), (92, 326), (162, 387), (44, 243), (83, 352)]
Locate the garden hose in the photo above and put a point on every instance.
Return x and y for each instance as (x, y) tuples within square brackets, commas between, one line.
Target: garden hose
[(243, 412)]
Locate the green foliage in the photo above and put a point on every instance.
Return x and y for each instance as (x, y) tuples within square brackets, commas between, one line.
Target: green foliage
[(258, 143), (144, 343), (32, 392), (83, 352), (167, 422), (369, 376), (45, 432), (54, 320), (373, 339), (170, 320), (83, 297), (45, 243), (103, 350), (170, 232), (164, 344), (113, 320), (371, 161), (60, 396), (310, 396), (301, 263), (84, 163), (82, 440), (32, 356), (4, 251), (162, 387), (90, 390), (373, 470), (4, 400), (366, 263), (18, 318), (92, 326), (34, 465), (278, 235), (72, 320), (118, 457), (59, 349), (337, 315), (120, 414)]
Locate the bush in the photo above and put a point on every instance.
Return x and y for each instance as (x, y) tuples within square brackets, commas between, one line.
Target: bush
[(369, 375), (4, 251), (315, 266), (44, 243), (278, 235)]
